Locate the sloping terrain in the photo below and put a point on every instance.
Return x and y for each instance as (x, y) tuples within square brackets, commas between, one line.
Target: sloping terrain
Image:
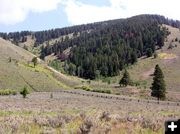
[(69, 111), (16, 71), (7, 49), (169, 61), (57, 41)]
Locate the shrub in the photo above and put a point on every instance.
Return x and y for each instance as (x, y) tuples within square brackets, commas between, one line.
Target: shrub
[(136, 83), (10, 59), (102, 91), (170, 46), (24, 92), (7, 92), (85, 128), (35, 61), (155, 55), (86, 88), (51, 95), (105, 116)]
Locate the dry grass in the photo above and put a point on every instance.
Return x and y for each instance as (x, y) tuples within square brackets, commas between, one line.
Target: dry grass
[(65, 113), (17, 73), (167, 56)]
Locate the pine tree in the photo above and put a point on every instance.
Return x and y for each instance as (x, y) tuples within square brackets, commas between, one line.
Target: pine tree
[(149, 52), (125, 79), (158, 86), (133, 57)]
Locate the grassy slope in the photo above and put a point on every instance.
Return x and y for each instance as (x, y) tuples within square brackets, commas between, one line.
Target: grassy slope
[(18, 73), (141, 72)]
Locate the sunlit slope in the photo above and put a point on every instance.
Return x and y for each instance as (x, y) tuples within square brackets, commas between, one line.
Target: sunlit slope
[(169, 61), (17, 73)]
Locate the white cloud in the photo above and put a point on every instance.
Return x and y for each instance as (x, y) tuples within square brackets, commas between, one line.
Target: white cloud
[(15, 11), (80, 13)]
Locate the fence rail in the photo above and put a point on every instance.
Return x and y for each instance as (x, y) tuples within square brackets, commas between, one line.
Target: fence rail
[(120, 98)]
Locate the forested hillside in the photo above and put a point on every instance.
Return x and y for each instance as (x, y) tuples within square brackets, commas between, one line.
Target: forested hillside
[(102, 48)]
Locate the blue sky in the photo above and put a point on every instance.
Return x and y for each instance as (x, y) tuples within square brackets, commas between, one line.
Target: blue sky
[(35, 15)]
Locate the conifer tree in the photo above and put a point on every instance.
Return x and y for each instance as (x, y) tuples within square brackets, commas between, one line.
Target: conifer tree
[(125, 79), (149, 52), (158, 86)]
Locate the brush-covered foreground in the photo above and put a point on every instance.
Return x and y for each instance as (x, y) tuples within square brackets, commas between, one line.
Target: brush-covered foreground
[(56, 113)]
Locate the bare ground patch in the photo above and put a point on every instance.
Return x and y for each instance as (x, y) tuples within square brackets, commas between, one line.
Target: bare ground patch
[(147, 74)]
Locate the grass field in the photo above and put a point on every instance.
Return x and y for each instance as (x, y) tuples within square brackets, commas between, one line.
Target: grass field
[(63, 113)]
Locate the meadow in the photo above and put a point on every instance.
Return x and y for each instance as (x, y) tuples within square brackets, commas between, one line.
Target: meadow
[(58, 112)]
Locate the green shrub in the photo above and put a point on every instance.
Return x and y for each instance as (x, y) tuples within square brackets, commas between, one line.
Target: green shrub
[(136, 83), (7, 92), (57, 64), (86, 88), (102, 91), (24, 92)]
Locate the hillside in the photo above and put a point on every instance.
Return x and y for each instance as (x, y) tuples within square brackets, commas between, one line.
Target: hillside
[(15, 72), (168, 59), (101, 51), (20, 72), (75, 86)]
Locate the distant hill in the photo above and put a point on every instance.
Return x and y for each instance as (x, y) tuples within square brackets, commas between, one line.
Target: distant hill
[(94, 51), (110, 46), (98, 49)]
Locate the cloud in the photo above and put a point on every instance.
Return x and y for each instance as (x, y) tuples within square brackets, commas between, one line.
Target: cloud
[(15, 11), (80, 13)]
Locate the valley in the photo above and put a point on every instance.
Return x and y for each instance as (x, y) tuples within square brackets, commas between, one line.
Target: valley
[(74, 87)]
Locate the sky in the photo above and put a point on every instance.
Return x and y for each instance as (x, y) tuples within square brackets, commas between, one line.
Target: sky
[(36, 15)]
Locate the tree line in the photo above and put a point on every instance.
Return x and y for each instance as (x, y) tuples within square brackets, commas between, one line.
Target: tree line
[(110, 48), (102, 48), (42, 36)]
